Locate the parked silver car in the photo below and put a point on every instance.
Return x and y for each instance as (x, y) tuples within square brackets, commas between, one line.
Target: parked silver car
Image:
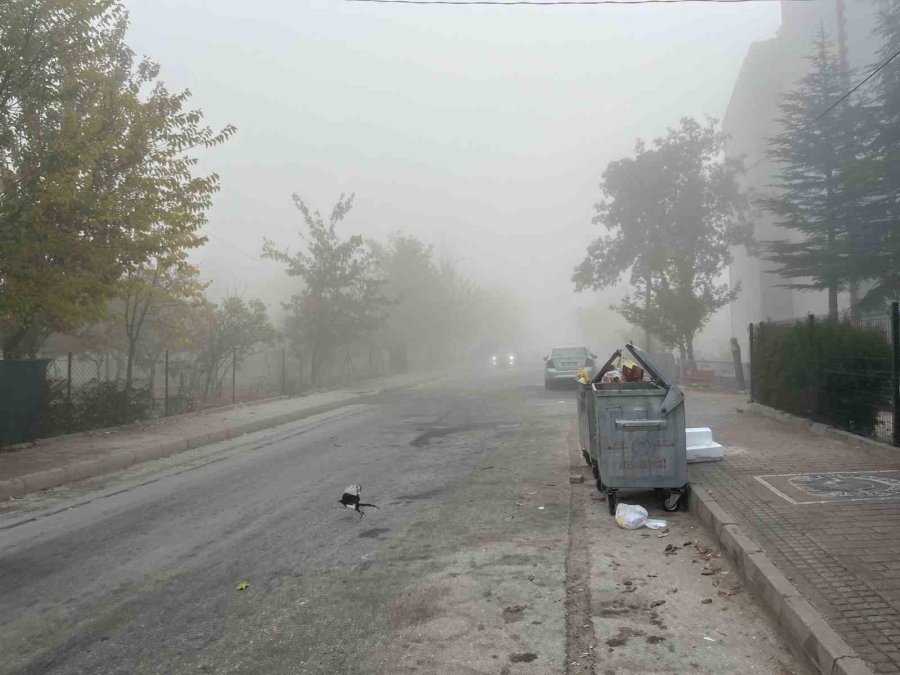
[(561, 366)]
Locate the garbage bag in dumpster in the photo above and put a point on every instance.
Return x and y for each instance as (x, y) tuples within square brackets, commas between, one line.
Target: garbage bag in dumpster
[(639, 437)]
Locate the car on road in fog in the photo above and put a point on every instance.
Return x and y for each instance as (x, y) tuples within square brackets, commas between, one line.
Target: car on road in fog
[(562, 364), (503, 359)]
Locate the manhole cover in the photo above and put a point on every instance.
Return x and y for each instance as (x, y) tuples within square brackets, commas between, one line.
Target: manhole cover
[(834, 486)]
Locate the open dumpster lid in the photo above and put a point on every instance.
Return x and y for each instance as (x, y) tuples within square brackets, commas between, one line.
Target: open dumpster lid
[(649, 365), (674, 397)]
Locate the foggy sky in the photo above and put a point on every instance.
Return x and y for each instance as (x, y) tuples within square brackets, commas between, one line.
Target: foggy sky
[(481, 129)]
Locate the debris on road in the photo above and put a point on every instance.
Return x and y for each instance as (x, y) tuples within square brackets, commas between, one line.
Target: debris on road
[(631, 516), (706, 601), (243, 586), (670, 549), (657, 603), (701, 447)]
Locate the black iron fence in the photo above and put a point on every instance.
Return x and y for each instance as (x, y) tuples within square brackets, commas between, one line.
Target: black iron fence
[(842, 372)]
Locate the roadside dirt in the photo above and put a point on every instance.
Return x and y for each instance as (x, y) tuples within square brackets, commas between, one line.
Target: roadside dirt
[(667, 601)]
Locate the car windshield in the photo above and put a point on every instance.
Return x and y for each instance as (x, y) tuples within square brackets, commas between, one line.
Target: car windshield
[(569, 353)]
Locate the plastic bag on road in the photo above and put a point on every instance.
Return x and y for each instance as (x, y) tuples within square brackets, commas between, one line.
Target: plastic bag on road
[(631, 516), (634, 517)]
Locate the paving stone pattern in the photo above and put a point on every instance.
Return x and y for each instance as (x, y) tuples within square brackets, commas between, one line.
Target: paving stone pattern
[(844, 556)]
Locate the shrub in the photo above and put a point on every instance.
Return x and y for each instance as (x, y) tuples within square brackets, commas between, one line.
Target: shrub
[(832, 371), (107, 404)]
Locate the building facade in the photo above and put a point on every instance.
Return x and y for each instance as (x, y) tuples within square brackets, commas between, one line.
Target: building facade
[(771, 68)]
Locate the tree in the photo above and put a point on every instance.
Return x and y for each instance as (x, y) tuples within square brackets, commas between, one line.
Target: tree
[(342, 299), (230, 331), (872, 254), (411, 284), (157, 298), (633, 191), (96, 179), (674, 212), (812, 196)]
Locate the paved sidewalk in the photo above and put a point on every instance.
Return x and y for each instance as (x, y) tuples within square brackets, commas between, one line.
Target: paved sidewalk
[(836, 537), (65, 459)]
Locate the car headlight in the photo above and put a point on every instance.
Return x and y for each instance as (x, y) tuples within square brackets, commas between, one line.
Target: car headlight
[(511, 358)]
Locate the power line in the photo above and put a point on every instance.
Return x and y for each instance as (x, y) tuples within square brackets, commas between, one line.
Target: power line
[(561, 2), (830, 107), (857, 86)]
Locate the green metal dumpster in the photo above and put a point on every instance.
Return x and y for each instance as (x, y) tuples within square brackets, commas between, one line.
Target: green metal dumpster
[(22, 386)]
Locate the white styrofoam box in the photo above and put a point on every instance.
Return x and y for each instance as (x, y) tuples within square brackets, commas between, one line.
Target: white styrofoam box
[(701, 447)]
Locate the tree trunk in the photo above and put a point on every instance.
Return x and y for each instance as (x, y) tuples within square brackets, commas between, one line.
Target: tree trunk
[(689, 344), (832, 302), (647, 305), (129, 364), (314, 367)]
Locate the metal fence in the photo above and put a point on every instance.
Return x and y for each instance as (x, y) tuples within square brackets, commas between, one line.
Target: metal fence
[(90, 390), (842, 372), (705, 372)]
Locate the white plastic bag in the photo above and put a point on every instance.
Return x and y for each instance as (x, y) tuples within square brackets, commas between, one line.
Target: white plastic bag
[(631, 516), (656, 523)]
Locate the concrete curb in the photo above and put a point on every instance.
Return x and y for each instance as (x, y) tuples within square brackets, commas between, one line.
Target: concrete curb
[(815, 427), (802, 626), (123, 459)]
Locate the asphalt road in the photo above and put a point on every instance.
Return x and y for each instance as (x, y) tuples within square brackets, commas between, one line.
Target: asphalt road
[(462, 569)]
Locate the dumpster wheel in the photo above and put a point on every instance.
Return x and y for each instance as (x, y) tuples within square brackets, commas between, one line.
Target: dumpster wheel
[(676, 499), (612, 498)]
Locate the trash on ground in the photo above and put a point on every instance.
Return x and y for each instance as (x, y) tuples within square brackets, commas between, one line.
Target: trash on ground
[(243, 586), (701, 447), (657, 524), (670, 549), (631, 516), (540, 508), (657, 603), (708, 638)]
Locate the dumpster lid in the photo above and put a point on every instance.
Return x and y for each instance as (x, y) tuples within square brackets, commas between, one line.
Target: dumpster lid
[(674, 397), (649, 365)]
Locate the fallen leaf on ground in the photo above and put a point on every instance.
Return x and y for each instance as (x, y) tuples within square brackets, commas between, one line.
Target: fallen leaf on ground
[(657, 603), (243, 586), (670, 549)]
